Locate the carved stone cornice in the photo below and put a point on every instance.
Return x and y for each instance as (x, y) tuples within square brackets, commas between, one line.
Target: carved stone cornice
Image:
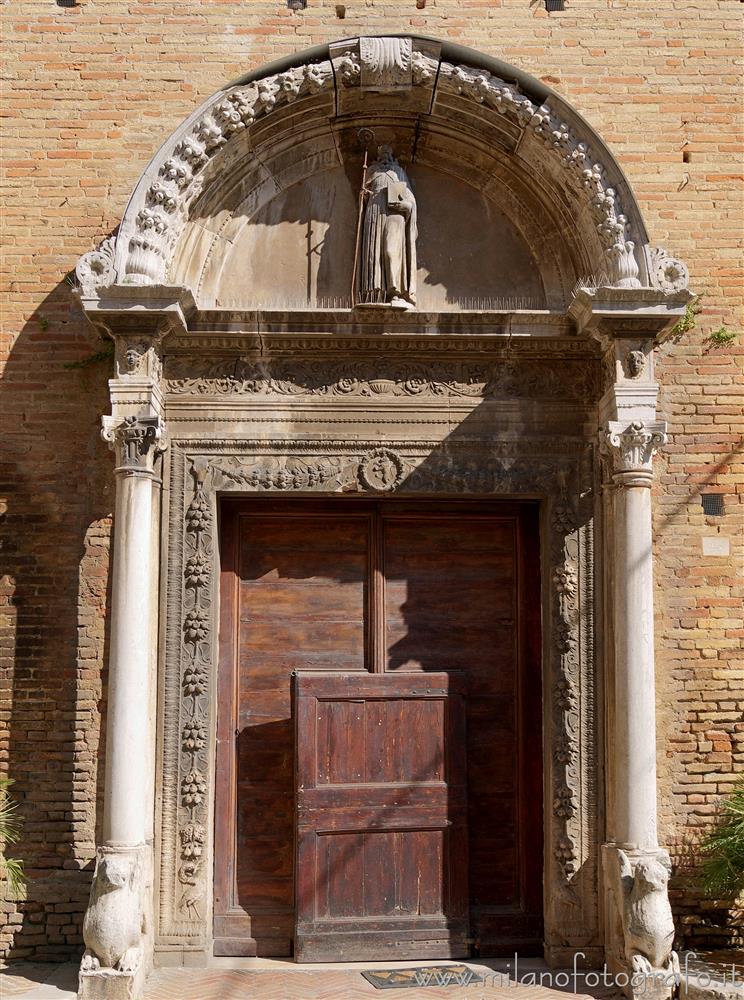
[(607, 314), (631, 448), (136, 440)]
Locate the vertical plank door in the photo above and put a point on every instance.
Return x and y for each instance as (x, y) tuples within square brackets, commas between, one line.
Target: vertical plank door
[(462, 593), (381, 852), (294, 595)]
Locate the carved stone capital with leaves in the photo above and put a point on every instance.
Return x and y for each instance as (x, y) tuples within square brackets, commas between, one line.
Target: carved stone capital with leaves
[(632, 447), (136, 440)]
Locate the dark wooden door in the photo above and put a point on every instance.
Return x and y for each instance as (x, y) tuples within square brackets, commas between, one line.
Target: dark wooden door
[(381, 817), (377, 590)]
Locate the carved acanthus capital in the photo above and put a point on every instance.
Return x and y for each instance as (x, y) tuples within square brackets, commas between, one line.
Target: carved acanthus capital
[(136, 440), (632, 447)]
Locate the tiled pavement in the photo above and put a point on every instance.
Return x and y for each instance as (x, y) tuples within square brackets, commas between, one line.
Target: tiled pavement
[(318, 984), (268, 981)]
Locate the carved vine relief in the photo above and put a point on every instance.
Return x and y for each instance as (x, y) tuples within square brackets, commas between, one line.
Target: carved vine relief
[(382, 377), (331, 467)]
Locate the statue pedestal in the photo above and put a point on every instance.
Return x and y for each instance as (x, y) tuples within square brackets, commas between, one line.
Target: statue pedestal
[(108, 984)]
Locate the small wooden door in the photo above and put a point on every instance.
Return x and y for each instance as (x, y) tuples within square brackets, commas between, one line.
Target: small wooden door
[(381, 862)]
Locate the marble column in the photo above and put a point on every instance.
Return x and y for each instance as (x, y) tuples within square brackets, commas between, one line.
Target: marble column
[(114, 929), (632, 448), (637, 869)]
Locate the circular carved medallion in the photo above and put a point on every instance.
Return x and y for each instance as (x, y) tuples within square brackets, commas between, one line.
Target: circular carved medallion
[(381, 470)]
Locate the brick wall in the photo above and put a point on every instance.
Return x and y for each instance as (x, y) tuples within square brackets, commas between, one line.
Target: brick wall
[(90, 93)]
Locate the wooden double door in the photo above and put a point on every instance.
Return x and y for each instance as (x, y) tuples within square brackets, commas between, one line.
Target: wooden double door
[(379, 761)]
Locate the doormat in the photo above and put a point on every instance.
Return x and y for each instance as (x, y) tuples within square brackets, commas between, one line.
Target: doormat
[(422, 976)]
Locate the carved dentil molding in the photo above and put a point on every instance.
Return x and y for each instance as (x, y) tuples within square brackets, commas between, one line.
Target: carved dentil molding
[(135, 440), (633, 446), (158, 213)]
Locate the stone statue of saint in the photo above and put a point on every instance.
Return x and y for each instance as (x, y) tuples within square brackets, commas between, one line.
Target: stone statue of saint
[(387, 272)]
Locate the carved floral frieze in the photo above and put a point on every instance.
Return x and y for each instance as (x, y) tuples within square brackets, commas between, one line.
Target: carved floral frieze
[(381, 377)]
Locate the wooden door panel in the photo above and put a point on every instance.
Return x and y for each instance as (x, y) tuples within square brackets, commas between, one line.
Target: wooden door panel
[(381, 838), (453, 600), (298, 598), (403, 590)]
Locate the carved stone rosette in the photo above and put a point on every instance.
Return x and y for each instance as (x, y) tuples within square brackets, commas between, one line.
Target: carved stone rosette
[(200, 470)]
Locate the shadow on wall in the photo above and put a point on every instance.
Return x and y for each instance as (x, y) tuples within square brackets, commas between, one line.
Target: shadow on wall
[(56, 483), (298, 250)]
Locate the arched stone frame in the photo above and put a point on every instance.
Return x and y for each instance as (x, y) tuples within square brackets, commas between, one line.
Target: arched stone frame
[(551, 142), (626, 303)]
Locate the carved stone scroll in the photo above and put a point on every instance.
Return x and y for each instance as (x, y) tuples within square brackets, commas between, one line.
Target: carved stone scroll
[(382, 378)]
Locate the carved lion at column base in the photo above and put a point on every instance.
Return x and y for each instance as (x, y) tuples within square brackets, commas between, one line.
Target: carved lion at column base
[(114, 927), (641, 927)]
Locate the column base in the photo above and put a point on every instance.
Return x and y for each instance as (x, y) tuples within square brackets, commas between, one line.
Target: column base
[(640, 927), (108, 984), (117, 925)]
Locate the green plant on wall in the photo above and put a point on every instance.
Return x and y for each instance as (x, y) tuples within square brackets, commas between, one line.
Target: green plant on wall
[(723, 868), (722, 337), (11, 869), (688, 322)]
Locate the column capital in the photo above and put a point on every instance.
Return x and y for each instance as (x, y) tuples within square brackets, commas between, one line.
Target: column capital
[(631, 448), (136, 440)]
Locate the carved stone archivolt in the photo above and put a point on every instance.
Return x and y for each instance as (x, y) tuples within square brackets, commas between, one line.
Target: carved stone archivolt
[(161, 204), (553, 468)]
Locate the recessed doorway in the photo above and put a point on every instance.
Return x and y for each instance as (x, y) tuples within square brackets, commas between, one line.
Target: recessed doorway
[(383, 612)]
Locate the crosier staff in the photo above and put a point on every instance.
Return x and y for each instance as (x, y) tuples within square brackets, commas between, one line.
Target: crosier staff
[(365, 135)]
